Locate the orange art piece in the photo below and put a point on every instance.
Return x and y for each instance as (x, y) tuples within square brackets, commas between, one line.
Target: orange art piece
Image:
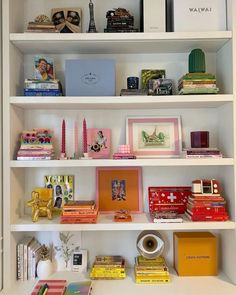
[(41, 203), (119, 189)]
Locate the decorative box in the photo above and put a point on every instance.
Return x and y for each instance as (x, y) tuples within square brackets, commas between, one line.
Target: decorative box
[(90, 77), (195, 254), (154, 15), (168, 198), (199, 15)]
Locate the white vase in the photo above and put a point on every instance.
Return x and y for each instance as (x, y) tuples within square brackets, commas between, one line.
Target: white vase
[(44, 269)]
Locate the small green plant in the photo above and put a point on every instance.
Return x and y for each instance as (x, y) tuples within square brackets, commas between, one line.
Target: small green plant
[(66, 247), (44, 253)]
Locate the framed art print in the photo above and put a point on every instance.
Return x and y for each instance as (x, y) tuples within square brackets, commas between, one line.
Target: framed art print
[(119, 188), (154, 136), (99, 143), (67, 20)]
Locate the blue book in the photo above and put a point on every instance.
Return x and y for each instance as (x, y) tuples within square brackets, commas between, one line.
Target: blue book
[(81, 288), (46, 92)]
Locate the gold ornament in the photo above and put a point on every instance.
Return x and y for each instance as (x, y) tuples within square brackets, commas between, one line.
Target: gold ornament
[(41, 203)]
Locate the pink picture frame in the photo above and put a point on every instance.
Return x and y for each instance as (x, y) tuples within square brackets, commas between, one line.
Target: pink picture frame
[(99, 143), (154, 136), (119, 188)]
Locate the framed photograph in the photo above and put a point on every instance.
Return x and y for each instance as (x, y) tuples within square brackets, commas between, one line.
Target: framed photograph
[(154, 136), (99, 143), (67, 20), (44, 68), (119, 188)]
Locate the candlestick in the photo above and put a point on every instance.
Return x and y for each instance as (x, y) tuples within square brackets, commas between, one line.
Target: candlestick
[(76, 140), (84, 136), (63, 137)]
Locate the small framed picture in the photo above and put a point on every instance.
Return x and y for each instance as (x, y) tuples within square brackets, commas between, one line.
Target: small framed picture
[(154, 136), (99, 143), (67, 20), (44, 68), (149, 74), (119, 189)]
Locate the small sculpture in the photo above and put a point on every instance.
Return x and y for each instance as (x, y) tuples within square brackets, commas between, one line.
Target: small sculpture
[(196, 61), (41, 203), (122, 216), (92, 26)]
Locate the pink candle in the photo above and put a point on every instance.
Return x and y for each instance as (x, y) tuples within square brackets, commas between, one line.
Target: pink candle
[(63, 137), (76, 140), (84, 136)]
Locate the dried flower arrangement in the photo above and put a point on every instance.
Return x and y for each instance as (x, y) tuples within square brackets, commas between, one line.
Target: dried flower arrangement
[(44, 253)]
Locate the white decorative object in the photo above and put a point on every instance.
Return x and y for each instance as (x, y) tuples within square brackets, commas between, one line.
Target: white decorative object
[(44, 269), (64, 244), (199, 15), (154, 15), (79, 260)]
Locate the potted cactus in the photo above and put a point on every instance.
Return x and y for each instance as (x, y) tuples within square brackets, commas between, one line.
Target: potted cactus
[(44, 267)]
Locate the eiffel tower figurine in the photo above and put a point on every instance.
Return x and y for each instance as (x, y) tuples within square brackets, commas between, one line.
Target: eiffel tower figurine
[(92, 26)]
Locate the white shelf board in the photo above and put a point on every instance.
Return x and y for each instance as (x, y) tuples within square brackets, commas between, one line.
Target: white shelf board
[(122, 163), (121, 102), (105, 223), (91, 43), (217, 285)]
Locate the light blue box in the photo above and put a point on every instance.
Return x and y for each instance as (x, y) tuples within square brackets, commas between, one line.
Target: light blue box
[(90, 77)]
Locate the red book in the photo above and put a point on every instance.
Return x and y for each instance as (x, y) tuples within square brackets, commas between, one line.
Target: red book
[(223, 217), (169, 198), (55, 287)]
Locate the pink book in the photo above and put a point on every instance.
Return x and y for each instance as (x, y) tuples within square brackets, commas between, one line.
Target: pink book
[(99, 143), (55, 287)]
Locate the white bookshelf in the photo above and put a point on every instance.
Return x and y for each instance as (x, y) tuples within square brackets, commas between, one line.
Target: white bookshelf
[(132, 52), (198, 284), (105, 223)]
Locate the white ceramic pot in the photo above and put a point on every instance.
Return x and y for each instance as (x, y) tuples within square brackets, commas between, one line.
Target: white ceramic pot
[(44, 269)]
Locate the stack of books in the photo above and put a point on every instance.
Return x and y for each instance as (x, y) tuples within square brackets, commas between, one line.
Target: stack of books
[(206, 205), (207, 208), (41, 27), (35, 87), (124, 153), (119, 21), (36, 144), (79, 212), (28, 251), (151, 271), (197, 83), (193, 153), (108, 267)]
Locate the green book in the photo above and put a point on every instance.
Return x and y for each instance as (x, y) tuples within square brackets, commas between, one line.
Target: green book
[(81, 288)]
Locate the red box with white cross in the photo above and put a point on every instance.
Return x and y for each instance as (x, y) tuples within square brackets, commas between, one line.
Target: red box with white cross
[(168, 198)]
